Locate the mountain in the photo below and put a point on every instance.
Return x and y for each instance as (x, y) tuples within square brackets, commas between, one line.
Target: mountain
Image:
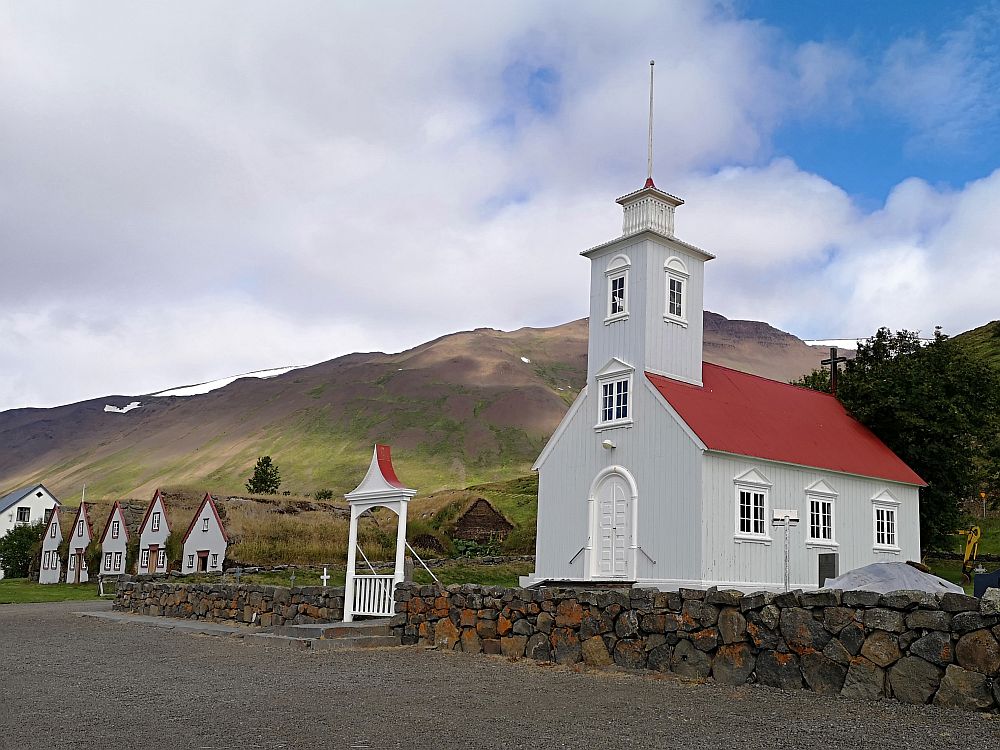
[(983, 342), (475, 406)]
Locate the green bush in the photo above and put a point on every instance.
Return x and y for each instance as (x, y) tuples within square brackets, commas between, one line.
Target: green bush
[(520, 541), (324, 495), (18, 547)]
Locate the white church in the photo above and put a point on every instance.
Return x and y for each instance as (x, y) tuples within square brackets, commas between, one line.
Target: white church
[(668, 471)]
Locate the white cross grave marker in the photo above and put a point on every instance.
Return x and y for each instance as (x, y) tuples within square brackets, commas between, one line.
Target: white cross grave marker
[(325, 577)]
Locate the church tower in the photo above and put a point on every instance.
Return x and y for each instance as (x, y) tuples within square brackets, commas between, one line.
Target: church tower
[(646, 292)]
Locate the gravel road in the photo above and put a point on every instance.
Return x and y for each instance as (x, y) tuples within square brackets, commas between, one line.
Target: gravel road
[(69, 681)]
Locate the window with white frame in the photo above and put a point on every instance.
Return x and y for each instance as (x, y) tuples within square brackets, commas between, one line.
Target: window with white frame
[(885, 517), (144, 559), (215, 560), (115, 529), (752, 503), (118, 560), (52, 531), (190, 561), (161, 558), (204, 524), (885, 526), (79, 528), (45, 560), (617, 275), (108, 557), (614, 400), (72, 561), (676, 290), (820, 505), (155, 524), (23, 515)]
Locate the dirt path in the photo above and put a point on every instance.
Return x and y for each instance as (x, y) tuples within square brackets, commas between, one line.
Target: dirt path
[(68, 681)]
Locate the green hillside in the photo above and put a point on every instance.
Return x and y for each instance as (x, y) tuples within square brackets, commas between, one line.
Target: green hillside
[(984, 341)]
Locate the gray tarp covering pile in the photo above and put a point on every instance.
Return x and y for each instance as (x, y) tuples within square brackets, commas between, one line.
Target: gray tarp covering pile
[(894, 576)]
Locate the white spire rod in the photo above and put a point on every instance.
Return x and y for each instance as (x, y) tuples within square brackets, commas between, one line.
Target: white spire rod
[(649, 158)]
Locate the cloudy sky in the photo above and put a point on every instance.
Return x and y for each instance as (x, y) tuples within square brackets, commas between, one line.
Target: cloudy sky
[(189, 190)]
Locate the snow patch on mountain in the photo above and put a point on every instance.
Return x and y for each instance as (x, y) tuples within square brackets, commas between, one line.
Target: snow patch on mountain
[(199, 389)]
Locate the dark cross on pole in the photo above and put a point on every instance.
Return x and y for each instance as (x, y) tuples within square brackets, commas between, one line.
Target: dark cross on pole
[(833, 362)]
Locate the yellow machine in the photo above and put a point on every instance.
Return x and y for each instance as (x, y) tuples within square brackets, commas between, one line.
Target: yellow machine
[(971, 550)]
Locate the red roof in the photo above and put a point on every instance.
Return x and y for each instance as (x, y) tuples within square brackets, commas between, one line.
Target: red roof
[(384, 456), (748, 415)]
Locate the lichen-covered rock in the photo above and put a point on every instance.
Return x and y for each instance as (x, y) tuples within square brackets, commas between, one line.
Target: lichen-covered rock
[(630, 654), (659, 658), (864, 681), (778, 670), (979, 652), (544, 622), (928, 620), (523, 627), (732, 625), (989, 603), (963, 689), (853, 638), (823, 675), (687, 661), (914, 680), (446, 635), (821, 598), (706, 639), (724, 598), (565, 646), (538, 647), (880, 618), (595, 653), (733, 664), (569, 613), (627, 624), (907, 600), (471, 642), (881, 648), (802, 632), (836, 651), (837, 618), (935, 647), (952, 602), (861, 598), (512, 646)]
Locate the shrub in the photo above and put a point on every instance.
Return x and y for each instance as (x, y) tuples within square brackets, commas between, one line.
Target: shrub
[(17, 548), (324, 495)]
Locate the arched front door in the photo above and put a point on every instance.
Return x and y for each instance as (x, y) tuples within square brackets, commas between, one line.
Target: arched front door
[(613, 527)]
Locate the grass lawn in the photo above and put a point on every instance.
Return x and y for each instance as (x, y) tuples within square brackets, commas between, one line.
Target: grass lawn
[(454, 571), (23, 591)]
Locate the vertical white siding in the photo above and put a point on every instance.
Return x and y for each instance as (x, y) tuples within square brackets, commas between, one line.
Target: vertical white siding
[(199, 541), (730, 561), (148, 537), (50, 545), (114, 545)]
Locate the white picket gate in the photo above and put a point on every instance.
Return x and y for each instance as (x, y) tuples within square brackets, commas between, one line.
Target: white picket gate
[(373, 595)]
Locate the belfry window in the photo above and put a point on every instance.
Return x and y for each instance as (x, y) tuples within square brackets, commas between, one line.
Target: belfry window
[(617, 275)]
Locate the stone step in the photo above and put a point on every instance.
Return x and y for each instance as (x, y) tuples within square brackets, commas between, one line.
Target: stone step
[(358, 641), (327, 630)]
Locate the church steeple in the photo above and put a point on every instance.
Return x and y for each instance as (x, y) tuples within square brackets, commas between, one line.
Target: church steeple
[(646, 290)]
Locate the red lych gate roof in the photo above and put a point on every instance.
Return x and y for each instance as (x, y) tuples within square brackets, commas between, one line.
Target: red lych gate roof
[(734, 412), (384, 457)]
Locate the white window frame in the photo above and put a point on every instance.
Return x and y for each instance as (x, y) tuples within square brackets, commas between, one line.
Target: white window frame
[(676, 270), (618, 268), (22, 521), (79, 527), (72, 561), (161, 558), (204, 524), (115, 529), (190, 561), (45, 560), (886, 503), (753, 482), (118, 561), (821, 492), (144, 559), (107, 560), (155, 522), (215, 559), (52, 531)]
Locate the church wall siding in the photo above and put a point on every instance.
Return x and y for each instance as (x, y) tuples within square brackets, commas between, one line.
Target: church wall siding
[(622, 338), (729, 561), (672, 349), (665, 464)]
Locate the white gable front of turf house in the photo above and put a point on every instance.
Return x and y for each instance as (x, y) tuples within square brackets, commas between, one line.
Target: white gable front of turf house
[(627, 489)]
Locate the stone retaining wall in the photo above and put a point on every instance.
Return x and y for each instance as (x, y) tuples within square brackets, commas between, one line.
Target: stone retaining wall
[(916, 647), (258, 605)]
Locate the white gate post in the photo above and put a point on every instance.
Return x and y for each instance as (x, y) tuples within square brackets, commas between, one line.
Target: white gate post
[(352, 546), (380, 487)]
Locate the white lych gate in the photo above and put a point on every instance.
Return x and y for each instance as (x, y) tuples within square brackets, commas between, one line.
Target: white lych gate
[(371, 594)]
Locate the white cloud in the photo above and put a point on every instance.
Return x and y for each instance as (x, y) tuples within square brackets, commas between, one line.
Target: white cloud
[(187, 193)]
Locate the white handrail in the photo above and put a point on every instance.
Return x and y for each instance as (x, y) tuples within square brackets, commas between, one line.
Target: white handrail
[(423, 563)]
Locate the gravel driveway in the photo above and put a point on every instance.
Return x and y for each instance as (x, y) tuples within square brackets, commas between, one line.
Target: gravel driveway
[(68, 681)]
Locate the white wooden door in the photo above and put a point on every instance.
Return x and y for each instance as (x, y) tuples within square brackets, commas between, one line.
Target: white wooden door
[(612, 532)]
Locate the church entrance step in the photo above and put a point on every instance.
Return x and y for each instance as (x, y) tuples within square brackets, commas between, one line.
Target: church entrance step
[(361, 633)]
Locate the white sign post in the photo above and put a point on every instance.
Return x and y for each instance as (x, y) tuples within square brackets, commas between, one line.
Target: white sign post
[(786, 518), (325, 577)]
